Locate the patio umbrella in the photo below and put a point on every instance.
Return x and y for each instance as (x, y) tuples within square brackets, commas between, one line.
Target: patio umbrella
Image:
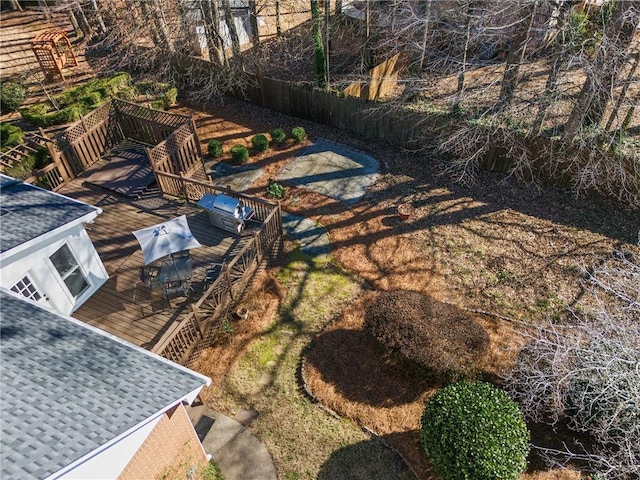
[(166, 238)]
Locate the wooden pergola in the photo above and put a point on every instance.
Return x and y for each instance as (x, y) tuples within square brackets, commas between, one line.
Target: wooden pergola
[(53, 52)]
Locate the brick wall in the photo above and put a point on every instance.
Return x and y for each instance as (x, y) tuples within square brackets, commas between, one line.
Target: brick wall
[(172, 446)]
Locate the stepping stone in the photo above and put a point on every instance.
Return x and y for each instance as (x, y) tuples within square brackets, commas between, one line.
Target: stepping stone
[(312, 237), (246, 417)]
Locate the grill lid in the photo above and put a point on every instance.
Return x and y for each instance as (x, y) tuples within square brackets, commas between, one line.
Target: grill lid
[(223, 203)]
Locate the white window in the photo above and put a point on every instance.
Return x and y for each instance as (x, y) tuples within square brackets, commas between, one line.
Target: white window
[(70, 271), (26, 288)]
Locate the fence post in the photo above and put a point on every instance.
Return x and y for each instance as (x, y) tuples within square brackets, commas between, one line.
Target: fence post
[(185, 188), (196, 316), (63, 168), (227, 277)]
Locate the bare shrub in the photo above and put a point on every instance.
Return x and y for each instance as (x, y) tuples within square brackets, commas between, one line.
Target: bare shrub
[(436, 335), (588, 374)]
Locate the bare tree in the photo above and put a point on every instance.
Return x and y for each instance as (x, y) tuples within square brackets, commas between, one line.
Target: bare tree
[(233, 31), (253, 19), (611, 56), (517, 53), (588, 374)]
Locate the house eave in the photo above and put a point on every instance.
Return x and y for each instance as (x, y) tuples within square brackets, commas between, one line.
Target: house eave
[(88, 218)]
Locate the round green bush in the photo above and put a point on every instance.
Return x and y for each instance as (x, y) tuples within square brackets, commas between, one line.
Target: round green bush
[(298, 134), (260, 143), (11, 96), (239, 154), (474, 431), (214, 147), (276, 190), (440, 337), (278, 136)]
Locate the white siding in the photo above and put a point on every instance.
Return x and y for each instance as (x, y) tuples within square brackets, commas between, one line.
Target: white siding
[(35, 261)]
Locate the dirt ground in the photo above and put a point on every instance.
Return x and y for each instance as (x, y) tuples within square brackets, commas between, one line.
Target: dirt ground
[(516, 252)]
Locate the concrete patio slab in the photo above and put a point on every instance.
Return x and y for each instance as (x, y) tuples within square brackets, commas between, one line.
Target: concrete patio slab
[(239, 177), (333, 170)]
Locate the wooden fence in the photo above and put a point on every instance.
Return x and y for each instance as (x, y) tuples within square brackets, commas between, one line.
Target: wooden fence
[(182, 340)]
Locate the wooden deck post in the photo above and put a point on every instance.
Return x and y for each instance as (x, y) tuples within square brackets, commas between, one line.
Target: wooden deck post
[(196, 316)]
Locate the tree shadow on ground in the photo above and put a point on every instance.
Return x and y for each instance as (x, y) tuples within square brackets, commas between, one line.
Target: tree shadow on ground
[(392, 381), (363, 461), (558, 438)]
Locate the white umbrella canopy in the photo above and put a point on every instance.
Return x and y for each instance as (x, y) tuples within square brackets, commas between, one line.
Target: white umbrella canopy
[(166, 238)]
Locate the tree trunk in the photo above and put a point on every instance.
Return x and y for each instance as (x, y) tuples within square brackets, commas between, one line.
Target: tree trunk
[(82, 19), (233, 32), (596, 90), (98, 16), (160, 30), (516, 56), (211, 16), (425, 34), (455, 108), (327, 27), (148, 14), (253, 20), (278, 20), (623, 93), (318, 44)]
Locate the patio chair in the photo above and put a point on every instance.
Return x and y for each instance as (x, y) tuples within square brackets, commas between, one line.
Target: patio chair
[(149, 275), (212, 272), (181, 287)]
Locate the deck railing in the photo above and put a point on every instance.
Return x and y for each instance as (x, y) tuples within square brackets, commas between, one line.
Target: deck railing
[(181, 340), (48, 177)]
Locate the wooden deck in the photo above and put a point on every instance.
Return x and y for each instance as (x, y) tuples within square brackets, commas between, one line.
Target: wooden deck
[(124, 306)]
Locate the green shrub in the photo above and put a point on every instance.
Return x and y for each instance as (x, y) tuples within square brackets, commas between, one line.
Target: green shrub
[(239, 154), (276, 190), (298, 134), (10, 135), (91, 99), (260, 143), (474, 431), (158, 104), (170, 97), (440, 337), (278, 136), (11, 96), (42, 116), (23, 168), (214, 147), (77, 101)]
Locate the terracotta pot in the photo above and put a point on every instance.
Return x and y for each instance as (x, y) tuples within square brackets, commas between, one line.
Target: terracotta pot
[(405, 210)]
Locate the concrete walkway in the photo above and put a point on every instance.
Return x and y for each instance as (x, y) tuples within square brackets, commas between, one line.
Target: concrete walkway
[(311, 236), (238, 454)]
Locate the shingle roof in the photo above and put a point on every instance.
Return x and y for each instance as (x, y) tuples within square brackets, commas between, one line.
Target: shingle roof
[(68, 389), (27, 212)]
